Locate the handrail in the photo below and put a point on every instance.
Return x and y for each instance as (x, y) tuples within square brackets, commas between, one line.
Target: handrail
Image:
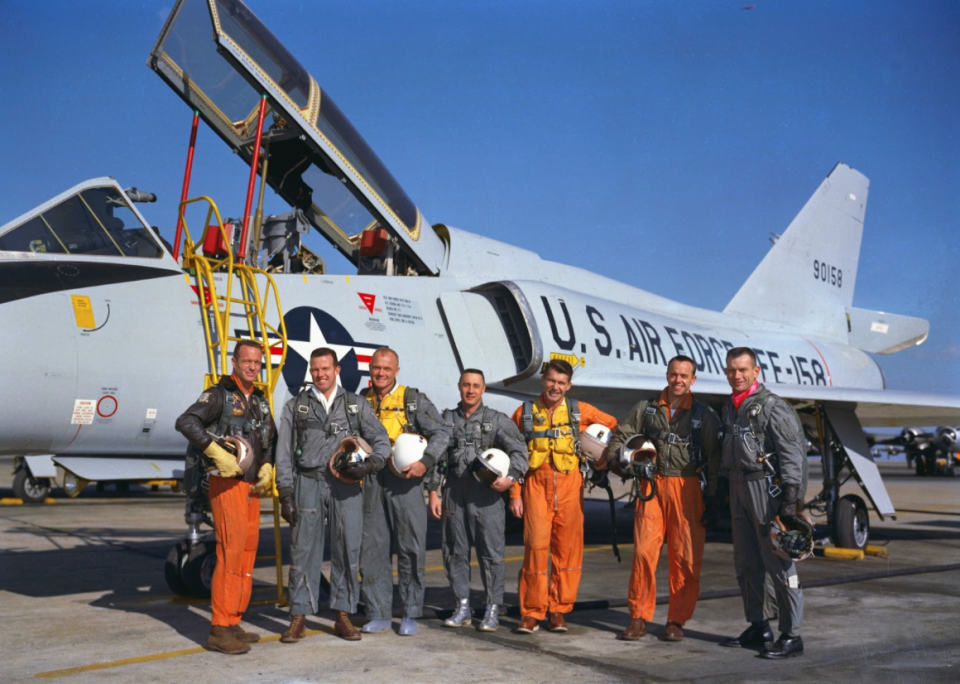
[(217, 335)]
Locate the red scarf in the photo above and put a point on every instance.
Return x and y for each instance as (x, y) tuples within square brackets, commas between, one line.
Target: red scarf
[(738, 398)]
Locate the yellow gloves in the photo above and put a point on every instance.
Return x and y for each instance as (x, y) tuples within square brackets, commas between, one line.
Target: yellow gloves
[(225, 461), (264, 479)]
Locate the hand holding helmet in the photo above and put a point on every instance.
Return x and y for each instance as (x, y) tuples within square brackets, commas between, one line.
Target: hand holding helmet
[(593, 443), (637, 459), (231, 456), (788, 504), (490, 466), (408, 449), (792, 542), (351, 463)]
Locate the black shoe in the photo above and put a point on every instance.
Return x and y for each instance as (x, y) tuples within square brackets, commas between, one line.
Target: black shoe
[(756, 635), (786, 647)]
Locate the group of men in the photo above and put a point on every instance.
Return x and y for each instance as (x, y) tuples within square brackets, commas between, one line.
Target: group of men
[(372, 507)]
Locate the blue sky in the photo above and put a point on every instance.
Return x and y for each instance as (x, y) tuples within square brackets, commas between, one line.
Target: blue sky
[(657, 142)]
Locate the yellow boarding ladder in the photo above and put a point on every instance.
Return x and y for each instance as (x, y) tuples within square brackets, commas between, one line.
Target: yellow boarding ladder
[(242, 297)]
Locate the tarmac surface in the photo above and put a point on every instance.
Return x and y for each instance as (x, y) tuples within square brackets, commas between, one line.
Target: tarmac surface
[(83, 599)]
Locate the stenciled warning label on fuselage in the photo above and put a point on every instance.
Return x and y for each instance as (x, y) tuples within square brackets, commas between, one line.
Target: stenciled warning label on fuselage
[(84, 411), (401, 310)]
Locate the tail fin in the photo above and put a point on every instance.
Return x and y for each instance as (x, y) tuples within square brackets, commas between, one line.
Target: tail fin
[(806, 280)]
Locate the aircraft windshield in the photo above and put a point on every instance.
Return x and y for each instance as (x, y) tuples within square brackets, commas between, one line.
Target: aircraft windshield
[(187, 44), (339, 131), (96, 221), (262, 47)]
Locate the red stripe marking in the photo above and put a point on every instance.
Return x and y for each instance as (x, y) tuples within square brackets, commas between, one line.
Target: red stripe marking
[(829, 377)]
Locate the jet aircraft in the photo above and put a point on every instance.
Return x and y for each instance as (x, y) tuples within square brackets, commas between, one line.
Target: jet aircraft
[(108, 381)]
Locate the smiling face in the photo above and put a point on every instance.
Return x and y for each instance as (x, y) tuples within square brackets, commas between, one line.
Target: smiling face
[(471, 388), (555, 386), (680, 378), (384, 367), (741, 373), (324, 373), (247, 363)]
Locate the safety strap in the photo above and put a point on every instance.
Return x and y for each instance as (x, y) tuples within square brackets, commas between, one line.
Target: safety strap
[(528, 420), (486, 433), (770, 461), (573, 411), (303, 421), (649, 430), (411, 398), (227, 419), (695, 449), (754, 416)]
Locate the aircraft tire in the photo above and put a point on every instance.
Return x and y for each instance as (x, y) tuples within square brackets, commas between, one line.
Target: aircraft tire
[(173, 568), (28, 488), (852, 523), (198, 569)]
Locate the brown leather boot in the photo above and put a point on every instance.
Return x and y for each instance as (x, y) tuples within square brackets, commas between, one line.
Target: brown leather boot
[(244, 636), (222, 639), (672, 632), (294, 633), (528, 625), (345, 629), (556, 623), (636, 629)]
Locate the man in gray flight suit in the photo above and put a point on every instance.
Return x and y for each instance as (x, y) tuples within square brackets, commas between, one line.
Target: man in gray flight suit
[(312, 426), (393, 506), (472, 512), (758, 426)]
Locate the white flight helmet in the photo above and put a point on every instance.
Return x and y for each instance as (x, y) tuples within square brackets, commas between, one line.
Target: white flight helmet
[(594, 440), (351, 450), (636, 448), (490, 465), (243, 451), (407, 450)]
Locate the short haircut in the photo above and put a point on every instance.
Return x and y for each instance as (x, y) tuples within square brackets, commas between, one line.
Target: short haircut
[(246, 343), (475, 371), (325, 351), (680, 358), (742, 351), (558, 366), (386, 350)]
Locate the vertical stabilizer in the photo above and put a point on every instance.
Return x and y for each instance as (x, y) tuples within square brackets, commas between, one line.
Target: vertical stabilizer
[(806, 280)]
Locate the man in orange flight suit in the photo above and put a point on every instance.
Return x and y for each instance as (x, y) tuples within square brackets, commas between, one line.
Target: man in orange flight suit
[(551, 499), (237, 409), (679, 426)]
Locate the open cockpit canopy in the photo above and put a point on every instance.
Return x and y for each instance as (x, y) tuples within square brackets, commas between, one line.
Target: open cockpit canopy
[(219, 57)]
